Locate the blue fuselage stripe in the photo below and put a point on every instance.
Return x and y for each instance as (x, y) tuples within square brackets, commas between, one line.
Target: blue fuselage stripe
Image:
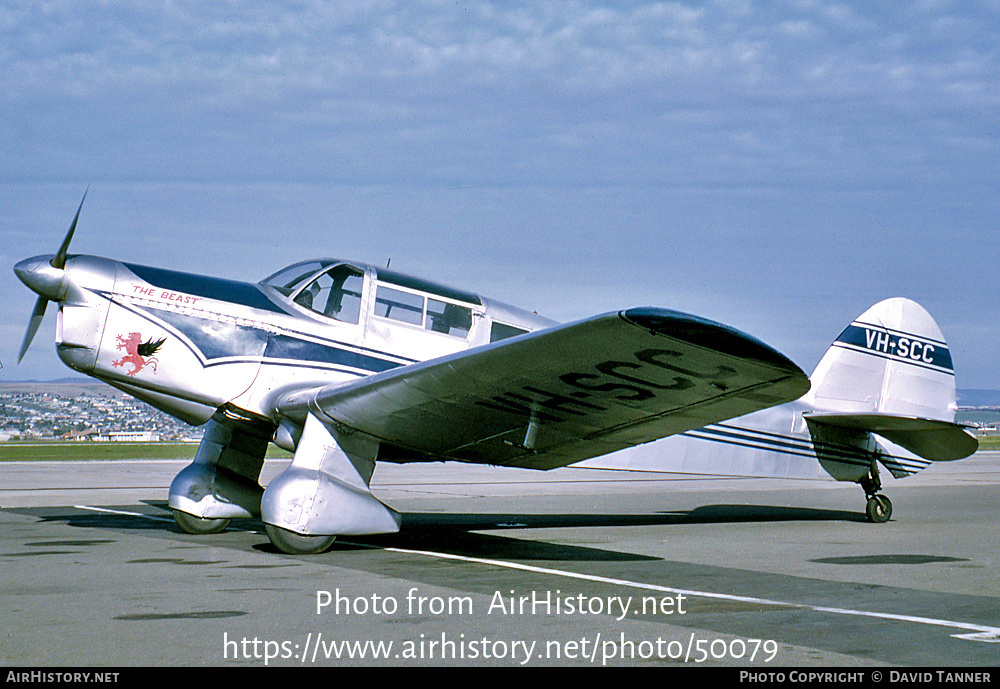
[(284, 347), (797, 447)]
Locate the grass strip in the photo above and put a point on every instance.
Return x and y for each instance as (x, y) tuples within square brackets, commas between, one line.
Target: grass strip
[(90, 451)]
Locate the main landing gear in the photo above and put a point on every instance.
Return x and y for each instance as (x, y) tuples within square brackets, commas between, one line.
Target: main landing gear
[(196, 525), (879, 507), (297, 544), (326, 489), (286, 541)]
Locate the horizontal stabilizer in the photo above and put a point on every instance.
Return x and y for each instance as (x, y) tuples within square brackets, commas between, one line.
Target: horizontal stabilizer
[(932, 439)]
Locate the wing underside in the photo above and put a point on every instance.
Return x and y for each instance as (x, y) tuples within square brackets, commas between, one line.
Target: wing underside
[(561, 395)]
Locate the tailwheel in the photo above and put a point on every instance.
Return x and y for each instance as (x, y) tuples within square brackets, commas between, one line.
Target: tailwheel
[(878, 509), (196, 525), (297, 544)]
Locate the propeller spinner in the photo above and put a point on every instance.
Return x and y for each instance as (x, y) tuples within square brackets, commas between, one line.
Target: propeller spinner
[(44, 275)]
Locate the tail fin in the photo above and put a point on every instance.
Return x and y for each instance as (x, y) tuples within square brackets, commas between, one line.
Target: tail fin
[(892, 360), (890, 373)]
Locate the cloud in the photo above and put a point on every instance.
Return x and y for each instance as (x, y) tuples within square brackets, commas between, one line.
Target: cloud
[(292, 89)]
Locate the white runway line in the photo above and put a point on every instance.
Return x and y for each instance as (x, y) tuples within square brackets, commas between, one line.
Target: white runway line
[(126, 514), (973, 632)]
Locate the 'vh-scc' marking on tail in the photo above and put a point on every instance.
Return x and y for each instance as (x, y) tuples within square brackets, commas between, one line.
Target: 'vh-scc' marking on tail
[(900, 346)]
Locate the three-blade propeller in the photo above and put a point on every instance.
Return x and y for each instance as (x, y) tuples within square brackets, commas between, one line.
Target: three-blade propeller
[(58, 261)]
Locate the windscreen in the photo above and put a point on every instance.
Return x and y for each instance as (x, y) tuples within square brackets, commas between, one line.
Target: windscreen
[(287, 280)]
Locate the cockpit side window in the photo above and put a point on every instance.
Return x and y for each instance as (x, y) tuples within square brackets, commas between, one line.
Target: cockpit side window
[(405, 307), (501, 331), (423, 311), (335, 294), (450, 319)]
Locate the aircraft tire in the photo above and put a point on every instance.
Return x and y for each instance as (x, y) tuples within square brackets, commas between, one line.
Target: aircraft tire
[(297, 544), (878, 509), (196, 525)]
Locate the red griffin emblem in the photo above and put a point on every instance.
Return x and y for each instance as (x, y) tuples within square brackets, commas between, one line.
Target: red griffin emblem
[(138, 353)]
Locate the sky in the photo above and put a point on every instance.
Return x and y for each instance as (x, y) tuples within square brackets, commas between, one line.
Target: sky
[(777, 166)]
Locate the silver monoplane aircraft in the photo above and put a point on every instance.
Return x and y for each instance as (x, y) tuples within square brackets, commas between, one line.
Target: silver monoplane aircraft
[(346, 364)]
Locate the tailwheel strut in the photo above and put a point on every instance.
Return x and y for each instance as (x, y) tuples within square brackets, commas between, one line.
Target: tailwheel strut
[(879, 507)]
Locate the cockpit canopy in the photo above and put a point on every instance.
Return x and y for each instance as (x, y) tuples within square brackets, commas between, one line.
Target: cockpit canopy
[(327, 287), (334, 289), (287, 280)]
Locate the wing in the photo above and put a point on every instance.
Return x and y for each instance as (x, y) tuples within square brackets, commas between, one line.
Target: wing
[(561, 395)]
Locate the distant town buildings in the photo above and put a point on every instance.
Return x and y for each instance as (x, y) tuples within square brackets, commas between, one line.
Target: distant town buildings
[(87, 418)]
